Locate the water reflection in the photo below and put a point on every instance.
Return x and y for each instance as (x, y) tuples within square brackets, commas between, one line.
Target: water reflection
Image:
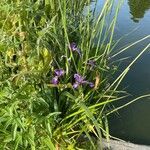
[(138, 8)]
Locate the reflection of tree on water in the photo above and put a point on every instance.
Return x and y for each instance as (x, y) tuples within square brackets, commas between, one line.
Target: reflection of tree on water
[(138, 8)]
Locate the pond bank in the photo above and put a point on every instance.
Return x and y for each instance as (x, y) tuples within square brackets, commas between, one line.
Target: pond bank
[(122, 145)]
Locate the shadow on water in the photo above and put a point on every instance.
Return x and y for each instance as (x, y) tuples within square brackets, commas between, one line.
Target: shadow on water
[(138, 8)]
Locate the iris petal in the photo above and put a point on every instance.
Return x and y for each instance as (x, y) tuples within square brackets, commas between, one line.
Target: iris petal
[(78, 78), (55, 80), (75, 85), (59, 72), (73, 47)]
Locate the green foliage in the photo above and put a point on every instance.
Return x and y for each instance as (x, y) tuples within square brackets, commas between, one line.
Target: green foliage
[(35, 35)]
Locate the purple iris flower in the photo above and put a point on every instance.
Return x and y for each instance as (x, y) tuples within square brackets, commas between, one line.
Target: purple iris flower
[(75, 85), (55, 80), (91, 63), (79, 80), (73, 47), (59, 72), (91, 84)]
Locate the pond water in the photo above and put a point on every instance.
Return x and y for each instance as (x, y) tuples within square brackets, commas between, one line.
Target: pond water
[(133, 122)]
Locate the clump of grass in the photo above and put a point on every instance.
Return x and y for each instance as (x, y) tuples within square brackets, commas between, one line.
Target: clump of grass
[(54, 84)]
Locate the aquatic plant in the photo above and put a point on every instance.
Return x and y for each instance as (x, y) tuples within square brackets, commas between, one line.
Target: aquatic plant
[(54, 91)]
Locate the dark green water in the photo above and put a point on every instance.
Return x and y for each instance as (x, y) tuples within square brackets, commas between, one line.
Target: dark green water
[(133, 122)]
